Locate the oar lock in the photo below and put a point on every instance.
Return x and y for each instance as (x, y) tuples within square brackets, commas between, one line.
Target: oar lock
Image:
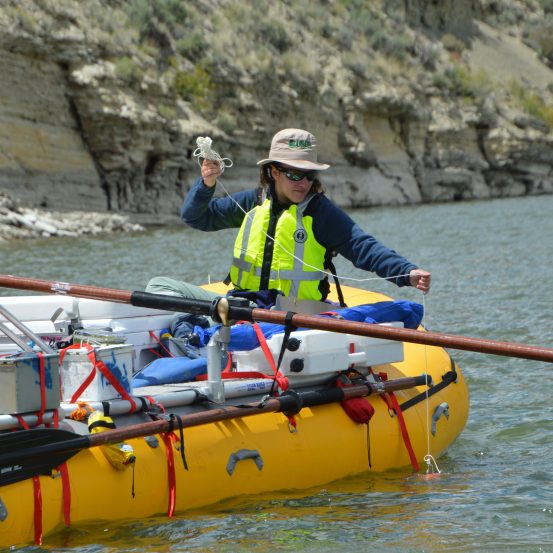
[(222, 309)]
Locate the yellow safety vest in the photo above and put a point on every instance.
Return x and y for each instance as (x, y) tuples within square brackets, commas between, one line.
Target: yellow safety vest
[(297, 261)]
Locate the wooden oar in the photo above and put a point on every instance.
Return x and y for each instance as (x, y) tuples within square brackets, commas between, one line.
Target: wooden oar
[(237, 311), (27, 453)]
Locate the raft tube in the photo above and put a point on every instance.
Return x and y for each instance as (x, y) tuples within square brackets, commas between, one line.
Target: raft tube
[(251, 455)]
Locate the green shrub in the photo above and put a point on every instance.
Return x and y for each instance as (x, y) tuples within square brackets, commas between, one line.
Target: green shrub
[(227, 122), (531, 103), (169, 112), (145, 14), (460, 81), (128, 70), (274, 33), (192, 45), (547, 5), (542, 34), (452, 43), (26, 19), (194, 86)]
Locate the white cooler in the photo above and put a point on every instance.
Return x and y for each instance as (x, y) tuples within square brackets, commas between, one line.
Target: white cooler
[(77, 366)]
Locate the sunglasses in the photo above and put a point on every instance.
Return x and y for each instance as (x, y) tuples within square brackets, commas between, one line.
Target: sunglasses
[(296, 175)]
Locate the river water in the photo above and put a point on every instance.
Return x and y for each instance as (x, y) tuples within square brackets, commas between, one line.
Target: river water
[(491, 266)]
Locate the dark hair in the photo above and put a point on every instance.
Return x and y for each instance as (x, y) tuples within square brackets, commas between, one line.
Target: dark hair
[(266, 180)]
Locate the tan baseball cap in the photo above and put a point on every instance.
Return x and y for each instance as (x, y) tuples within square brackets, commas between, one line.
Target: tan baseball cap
[(296, 148)]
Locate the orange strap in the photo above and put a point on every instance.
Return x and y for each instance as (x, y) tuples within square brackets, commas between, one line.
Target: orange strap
[(282, 381), (66, 490), (155, 403), (171, 478), (228, 366), (37, 495), (394, 406), (160, 343), (97, 364), (38, 510), (65, 482), (168, 439)]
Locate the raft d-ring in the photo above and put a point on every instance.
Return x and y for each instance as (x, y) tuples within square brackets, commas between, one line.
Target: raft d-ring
[(442, 409)]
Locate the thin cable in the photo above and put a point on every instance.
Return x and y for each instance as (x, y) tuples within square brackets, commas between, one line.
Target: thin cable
[(431, 464)]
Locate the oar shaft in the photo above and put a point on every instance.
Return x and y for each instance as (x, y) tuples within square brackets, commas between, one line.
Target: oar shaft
[(282, 403), (478, 345), (65, 288), (172, 303)]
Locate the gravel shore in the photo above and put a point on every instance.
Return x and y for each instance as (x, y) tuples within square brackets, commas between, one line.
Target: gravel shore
[(20, 223)]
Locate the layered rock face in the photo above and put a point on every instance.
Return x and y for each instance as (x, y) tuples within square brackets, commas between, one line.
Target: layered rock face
[(43, 158), (98, 115)]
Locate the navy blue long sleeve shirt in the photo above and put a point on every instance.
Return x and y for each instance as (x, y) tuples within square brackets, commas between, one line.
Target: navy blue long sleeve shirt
[(333, 228)]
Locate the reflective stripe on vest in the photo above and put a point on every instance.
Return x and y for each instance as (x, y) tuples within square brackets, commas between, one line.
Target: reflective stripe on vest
[(297, 264)]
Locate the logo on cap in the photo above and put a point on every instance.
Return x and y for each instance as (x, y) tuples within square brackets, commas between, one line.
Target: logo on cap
[(297, 143)]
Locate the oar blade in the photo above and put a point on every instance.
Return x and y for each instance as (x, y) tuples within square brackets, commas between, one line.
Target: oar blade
[(28, 453)]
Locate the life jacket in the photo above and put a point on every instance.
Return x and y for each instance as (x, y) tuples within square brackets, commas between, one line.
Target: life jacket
[(293, 262)]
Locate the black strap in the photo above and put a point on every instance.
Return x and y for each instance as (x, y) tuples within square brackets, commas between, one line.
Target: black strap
[(181, 437), (332, 269), (288, 328), (101, 424), (447, 379), (145, 404)]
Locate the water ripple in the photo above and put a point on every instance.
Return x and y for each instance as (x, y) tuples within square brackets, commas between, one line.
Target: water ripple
[(491, 265)]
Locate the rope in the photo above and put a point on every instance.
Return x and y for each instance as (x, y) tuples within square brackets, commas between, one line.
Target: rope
[(431, 464), (205, 151)]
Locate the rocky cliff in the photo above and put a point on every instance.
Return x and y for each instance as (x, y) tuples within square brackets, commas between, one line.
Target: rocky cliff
[(411, 100)]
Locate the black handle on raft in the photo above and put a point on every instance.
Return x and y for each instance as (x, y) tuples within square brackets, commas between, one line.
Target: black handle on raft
[(239, 309), (241, 455)]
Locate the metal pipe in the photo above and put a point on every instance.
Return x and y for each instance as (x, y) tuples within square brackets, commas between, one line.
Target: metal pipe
[(26, 331), (15, 338)]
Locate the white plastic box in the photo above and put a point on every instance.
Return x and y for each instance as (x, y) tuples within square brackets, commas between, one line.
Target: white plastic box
[(321, 354), (20, 390), (77, 367)]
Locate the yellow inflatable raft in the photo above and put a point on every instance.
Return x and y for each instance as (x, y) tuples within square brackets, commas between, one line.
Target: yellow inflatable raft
[(246, 455)]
